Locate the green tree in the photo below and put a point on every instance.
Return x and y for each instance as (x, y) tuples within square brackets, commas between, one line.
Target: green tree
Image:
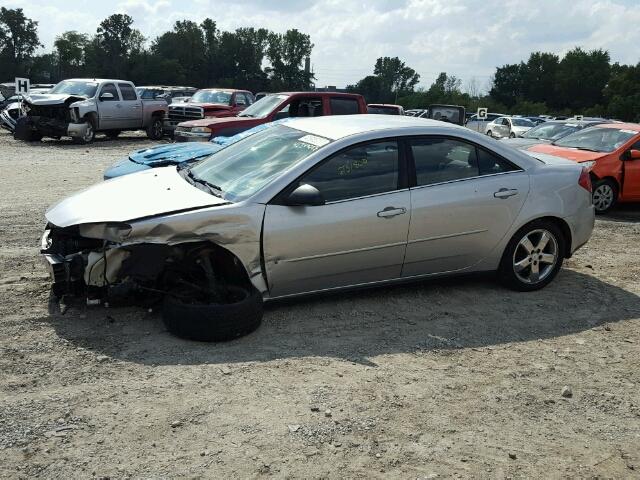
[(372, 88), (286, 54), (508, 84), (539, 77), (69, 49), (186, 45), (111, 50), (397, 78), (581, 79), (622, 92), (18, 42)]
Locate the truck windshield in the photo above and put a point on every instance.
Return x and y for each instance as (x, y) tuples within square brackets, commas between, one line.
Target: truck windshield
[(74, 87), (264, 106), (212, 96), (241, 169)]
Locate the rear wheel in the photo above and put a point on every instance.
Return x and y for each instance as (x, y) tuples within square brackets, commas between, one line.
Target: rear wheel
[(605, 194), (533, 256), (154, 131)]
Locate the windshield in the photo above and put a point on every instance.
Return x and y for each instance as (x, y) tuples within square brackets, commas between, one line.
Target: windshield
[(264, 106), (243, 168), (597, 139), (522, 122), (551, 131), (212, 96), (71, 87)]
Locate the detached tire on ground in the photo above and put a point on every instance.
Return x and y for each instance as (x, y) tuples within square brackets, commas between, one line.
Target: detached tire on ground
[(214, 322)]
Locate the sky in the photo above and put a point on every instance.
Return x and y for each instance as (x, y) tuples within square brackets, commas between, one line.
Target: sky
[(466, 38)]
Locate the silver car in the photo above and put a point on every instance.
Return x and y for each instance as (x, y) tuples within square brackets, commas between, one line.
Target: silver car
[(315, 205), (509, 127)]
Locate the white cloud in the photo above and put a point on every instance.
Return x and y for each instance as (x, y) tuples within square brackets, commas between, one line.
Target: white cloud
[(467, 38)]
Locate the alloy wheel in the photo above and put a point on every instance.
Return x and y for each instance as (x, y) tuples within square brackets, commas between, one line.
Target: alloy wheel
[(535, 256), (603, 197)]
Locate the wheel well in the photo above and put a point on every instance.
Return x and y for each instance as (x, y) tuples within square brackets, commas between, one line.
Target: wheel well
[(595, 178), (158, 113), (566, 232)]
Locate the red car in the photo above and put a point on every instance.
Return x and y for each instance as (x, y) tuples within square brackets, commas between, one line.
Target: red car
[(269, 108), (208, 103), (611, 151)]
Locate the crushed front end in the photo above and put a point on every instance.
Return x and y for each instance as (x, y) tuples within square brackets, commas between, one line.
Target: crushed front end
[(44, 119)]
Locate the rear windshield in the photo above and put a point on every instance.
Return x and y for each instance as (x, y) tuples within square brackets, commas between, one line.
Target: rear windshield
[(212, 96)]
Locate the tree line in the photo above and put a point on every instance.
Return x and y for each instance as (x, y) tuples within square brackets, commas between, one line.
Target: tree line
[(200, 54), (194, 54)]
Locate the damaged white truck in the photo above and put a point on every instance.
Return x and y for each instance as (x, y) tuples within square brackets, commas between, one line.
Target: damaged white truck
[(79, 108)]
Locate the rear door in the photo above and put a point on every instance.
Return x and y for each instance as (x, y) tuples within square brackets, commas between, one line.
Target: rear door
[(358, 236), (109, 109), (464, 201), (131, 112)]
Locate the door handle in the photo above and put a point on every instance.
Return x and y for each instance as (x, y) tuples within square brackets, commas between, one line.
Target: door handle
[(505, 193), (391, 212)]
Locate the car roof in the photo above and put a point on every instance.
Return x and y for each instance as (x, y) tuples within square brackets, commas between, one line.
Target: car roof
[(336, 127), (95, 80), (620, 126), (230, 90), (385, 105)]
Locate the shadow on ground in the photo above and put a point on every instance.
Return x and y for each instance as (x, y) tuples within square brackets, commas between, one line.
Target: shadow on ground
[(359, 325), (624, 212)]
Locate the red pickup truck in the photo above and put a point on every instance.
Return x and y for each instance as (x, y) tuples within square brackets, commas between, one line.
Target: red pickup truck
[(272, 107), (206, 103)]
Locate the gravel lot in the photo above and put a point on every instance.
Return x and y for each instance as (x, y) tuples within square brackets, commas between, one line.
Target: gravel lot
[(458, 378)]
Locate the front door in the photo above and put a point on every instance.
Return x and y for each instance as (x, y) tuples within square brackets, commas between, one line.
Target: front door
[(631, 182), (109, 109), (465, 200), (358, 236)]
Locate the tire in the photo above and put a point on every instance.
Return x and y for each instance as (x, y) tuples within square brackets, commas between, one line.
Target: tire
[(90, 136), (214, 322), (512, 135), (489, 133), (155, 130), (529, 258), (113, 134), (605, 195)]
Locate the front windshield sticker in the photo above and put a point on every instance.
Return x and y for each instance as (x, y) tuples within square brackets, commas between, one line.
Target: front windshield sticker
[(314, 140), (633, 132)]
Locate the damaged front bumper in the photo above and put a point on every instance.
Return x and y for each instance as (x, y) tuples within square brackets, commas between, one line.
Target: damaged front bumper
[(49, 127)]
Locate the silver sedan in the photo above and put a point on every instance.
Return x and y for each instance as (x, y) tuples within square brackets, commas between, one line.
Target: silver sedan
[(321, 204), (509, 127)]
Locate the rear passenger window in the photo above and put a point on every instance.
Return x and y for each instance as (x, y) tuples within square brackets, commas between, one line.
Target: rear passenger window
[(440, 160), (128, 93), (490, 164), (344, 106), (362, 170)]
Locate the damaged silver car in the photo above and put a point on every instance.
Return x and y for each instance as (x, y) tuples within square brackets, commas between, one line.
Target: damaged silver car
[(315, 205)]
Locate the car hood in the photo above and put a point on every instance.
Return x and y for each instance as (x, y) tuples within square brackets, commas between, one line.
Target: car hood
[(523, 142), (144, 194), (247, 122), (53, 98), (173, 153), (568, 153)]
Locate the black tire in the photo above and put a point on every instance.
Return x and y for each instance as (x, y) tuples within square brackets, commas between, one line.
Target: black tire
[(507, 270), (155, 129), (113, 134), (91, 133), (214, 322), (489, 133), (512, 135), (605, 195)]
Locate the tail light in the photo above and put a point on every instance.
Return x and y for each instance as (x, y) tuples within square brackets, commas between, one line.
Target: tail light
[(585, 180)]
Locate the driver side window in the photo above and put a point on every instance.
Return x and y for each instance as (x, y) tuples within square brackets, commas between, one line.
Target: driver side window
[(109, 88)]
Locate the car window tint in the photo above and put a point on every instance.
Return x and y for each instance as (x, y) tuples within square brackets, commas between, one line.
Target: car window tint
[(359, 171), (489, 163), (128, 93), (442, 160), (344, 106), (110, 88)]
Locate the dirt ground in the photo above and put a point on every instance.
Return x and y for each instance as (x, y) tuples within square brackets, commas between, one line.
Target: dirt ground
[(457, 378)]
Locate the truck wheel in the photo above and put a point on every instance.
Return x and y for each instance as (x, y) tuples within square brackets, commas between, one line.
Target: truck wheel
[(113, 134), (90, 133), (213, 322), (154, 131)]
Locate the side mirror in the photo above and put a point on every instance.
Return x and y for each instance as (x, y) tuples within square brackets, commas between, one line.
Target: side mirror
[(305, 195), (634, 154), (106, 96)]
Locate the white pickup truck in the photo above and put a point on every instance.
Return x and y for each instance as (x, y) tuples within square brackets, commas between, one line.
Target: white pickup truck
[(80, 107)]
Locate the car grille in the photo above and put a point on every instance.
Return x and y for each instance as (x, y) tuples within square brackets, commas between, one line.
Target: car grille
[(180, 113)]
